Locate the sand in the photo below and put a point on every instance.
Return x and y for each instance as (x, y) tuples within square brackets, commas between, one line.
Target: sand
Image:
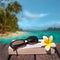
[(12, 34)]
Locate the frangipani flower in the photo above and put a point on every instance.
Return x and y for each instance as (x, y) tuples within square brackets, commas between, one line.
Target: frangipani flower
[(48, 42)]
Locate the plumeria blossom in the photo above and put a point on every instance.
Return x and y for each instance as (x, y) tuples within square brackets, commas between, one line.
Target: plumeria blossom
[(48, 42)]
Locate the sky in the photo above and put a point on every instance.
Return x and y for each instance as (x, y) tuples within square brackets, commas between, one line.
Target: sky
[(39, 14)]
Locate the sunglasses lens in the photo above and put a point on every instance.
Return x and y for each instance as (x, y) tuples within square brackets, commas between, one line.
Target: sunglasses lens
[(32, 40), (32, 43), (17, 44)]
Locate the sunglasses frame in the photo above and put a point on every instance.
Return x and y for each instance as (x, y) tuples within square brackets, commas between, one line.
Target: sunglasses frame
[(21, 42)]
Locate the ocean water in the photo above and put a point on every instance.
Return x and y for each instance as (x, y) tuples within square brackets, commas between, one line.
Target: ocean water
[(39, 34)]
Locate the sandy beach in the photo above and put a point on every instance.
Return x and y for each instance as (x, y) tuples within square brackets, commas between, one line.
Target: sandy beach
[(12, 34)]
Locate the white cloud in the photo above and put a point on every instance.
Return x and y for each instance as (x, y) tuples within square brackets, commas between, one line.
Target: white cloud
[(55, 24), (34, 16), (58, 23)]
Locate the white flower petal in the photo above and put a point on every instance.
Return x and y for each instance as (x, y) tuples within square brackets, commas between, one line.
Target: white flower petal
[(42, 44), (45, 37), (47, 48), (51, 37), (53, 45)]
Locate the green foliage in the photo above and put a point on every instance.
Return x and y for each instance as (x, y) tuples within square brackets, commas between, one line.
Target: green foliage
[(8, 20), (15, 7)]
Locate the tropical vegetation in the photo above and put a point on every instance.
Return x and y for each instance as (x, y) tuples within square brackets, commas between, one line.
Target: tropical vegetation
[(8, 18)]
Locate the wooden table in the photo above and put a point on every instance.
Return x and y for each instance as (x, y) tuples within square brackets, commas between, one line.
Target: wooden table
[(31, 50)]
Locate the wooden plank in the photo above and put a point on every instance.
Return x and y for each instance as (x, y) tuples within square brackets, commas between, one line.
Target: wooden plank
[(47, 57), (22, 57), (30, 51), (55, 57), (4, 55)]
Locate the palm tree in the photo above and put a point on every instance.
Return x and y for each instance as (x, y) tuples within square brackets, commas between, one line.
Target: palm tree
[(15, 7), (2, 18), (8, 20)]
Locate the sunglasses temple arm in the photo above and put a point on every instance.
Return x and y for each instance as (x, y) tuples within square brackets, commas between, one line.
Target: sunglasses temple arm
[(57, 52), (16, 52)]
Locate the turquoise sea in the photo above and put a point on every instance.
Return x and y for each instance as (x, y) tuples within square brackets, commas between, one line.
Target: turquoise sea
[(39, 34)]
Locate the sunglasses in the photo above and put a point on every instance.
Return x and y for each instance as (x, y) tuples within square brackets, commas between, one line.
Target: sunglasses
[(22, 43)]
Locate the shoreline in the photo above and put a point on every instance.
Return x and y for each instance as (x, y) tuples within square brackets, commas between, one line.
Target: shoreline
[(12, 34)]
